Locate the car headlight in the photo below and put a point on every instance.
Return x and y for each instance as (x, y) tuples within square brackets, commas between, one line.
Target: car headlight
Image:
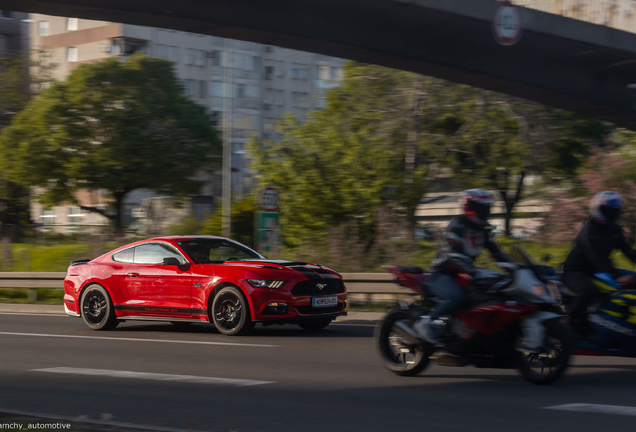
[(261, 283)]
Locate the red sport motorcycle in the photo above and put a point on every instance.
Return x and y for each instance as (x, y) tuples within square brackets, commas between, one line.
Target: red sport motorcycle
[(513, 321)]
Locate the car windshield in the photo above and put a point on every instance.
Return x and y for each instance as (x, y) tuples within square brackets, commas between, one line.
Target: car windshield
[(215, 251)]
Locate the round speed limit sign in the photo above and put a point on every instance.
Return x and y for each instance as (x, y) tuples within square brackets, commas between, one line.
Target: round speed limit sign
[(506, 23), (268, 199)]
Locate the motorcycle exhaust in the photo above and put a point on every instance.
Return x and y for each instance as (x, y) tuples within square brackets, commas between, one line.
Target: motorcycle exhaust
[(404, 330)]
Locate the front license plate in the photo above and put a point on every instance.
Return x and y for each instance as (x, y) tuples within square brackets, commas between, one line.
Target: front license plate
[(324, 301)]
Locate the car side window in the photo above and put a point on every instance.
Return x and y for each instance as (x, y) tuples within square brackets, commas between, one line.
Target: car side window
[(125, 256), (154, 253), (225, 251)]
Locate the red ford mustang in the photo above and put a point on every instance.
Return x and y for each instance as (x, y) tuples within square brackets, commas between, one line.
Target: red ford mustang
[(185, 279)]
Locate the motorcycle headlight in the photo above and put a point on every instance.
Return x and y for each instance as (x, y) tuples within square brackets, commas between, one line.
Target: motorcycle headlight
[(554, 290), (539, 290), (262, 283)]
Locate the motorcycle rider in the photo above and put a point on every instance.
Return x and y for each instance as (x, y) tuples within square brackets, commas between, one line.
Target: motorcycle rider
[(465, 237), (593, 245)]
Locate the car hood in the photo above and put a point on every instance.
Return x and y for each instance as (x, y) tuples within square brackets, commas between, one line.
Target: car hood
[(290, 268)]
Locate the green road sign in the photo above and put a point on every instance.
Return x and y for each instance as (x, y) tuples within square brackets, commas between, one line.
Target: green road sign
[(267, 233)]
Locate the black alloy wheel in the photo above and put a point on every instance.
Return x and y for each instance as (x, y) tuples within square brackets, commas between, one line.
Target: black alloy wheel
[(547, 366), (398, 355), (97, 309), (230, 312)]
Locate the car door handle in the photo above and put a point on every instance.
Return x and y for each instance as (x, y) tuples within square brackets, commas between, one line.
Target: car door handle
[(133, 275)]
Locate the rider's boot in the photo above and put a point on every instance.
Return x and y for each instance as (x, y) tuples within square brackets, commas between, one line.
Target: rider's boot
[(428, 329), (583, 330)]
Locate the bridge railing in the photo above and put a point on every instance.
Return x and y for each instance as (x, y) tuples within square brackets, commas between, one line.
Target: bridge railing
[(361, 287)]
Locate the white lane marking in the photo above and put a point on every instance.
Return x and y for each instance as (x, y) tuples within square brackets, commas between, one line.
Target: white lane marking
[(82, 419), (154, 376), (596, 408), (138, 340), (354, 325), (35, 314)]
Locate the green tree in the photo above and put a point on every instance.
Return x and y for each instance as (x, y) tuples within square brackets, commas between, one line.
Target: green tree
[(385, 136), (243, 214), (363, 152), (20, 79), (496, 140), (115, 126)]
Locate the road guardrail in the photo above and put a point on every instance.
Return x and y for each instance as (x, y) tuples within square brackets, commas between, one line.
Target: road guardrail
[(362, 285)]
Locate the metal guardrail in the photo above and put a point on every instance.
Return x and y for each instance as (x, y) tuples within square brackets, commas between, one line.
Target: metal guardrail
[(364, 284)]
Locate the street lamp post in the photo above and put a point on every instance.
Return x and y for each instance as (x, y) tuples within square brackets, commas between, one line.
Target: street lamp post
[(226, 211)]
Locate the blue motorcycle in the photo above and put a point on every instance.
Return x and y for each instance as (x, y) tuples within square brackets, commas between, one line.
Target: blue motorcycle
[(612, 315)]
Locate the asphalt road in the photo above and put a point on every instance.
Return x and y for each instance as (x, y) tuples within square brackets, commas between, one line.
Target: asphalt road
[(283, 379)]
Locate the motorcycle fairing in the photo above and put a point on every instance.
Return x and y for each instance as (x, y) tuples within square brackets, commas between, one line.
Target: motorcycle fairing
[(492, 318), (534, 331), (411, 277), (605, 282)]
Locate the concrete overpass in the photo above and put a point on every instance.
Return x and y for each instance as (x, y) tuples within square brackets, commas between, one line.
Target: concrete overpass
[(559, 61)]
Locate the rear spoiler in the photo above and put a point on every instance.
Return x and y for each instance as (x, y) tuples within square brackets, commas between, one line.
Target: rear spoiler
[(78, 262)]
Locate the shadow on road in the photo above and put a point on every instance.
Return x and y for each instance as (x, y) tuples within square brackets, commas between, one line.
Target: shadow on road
[(282, 331)]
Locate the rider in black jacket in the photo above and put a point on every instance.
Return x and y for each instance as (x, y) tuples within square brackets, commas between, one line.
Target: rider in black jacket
[(591, 254), (465, 237)]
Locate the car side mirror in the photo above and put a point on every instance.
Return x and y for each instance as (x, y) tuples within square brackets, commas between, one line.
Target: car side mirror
[(171, 261)]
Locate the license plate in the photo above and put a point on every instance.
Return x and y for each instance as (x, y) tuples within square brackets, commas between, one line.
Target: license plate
[(324, 301)]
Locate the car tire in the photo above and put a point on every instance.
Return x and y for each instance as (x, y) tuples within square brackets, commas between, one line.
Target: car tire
[(314, 325), (97, 308), (230, 312)]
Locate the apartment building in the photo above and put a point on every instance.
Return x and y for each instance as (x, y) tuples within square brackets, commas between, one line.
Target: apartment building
[(245, 86)]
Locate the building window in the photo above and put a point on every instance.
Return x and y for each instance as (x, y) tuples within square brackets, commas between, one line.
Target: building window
[(75, 218), (43, 28), (187, 86), (202, 89), (47, 217), (189, 56), (256, 63), (72, 24), (240, 91), (200, 60), (71, 54), (216, 88), (216, 58), (298, 71), (333, 76)]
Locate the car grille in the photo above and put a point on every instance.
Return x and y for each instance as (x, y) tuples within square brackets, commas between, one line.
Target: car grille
[(310, 287), (308, 310)]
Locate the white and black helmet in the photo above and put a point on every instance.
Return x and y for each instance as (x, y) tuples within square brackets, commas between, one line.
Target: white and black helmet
[(606, 206), (477, 202)]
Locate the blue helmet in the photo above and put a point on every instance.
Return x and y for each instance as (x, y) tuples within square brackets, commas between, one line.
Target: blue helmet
[(606, 207)]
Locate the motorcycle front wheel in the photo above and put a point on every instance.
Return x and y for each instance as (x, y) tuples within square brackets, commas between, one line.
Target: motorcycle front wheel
[(547, 366), (398, 355)]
